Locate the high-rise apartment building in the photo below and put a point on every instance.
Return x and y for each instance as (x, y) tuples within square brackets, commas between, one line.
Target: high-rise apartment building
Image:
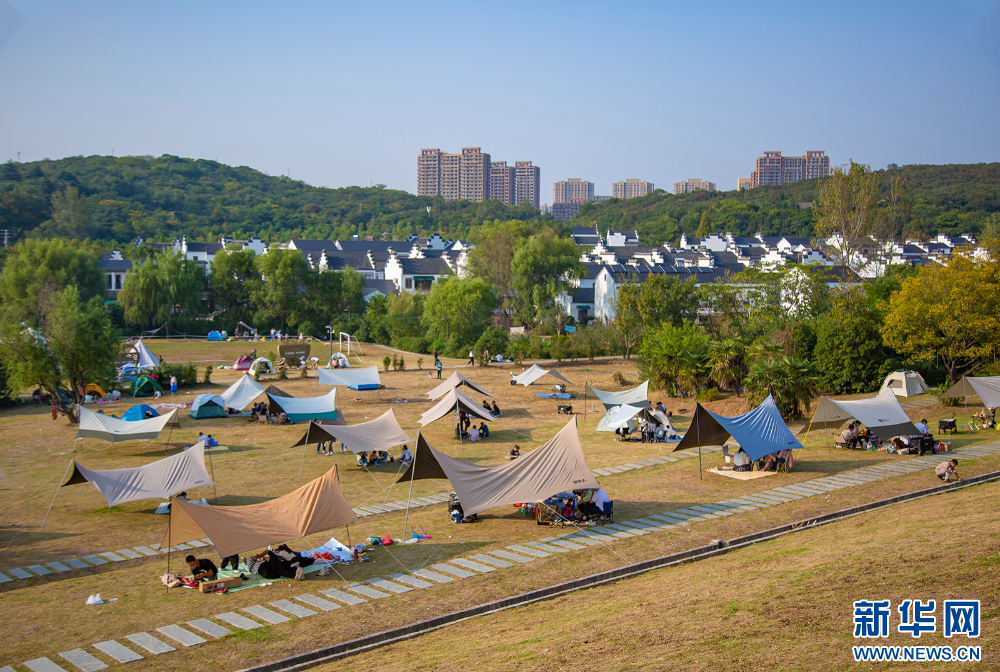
[(527, 183), (773, 168), (742, 183), (454, 176), (631, 188), (693, 184), (502, 181), (573, 190)]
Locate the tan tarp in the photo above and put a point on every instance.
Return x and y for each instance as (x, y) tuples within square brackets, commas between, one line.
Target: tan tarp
[(535, 372), (455, 380), (157, 480), (99, 426), (987, 388), (382, 433), (556, 466), (882, 414), (447, 405), (317, 506)]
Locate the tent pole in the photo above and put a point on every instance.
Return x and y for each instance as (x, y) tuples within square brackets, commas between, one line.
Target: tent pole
[(215, 492), (413, 464), (458, 413), (348, 528), (170, 520), (58, 487), (167, 442), (701, 475), (306, 445)]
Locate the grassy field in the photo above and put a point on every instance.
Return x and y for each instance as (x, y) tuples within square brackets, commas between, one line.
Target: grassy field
[(47, 613)]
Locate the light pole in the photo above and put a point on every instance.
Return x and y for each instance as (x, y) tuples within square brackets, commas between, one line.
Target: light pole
[(348, 311), (329, 331), (447, 328)]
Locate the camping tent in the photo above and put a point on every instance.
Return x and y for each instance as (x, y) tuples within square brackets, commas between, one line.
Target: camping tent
[(260, 366), (214, 336), (556, 466), (619, 416), (637, 396), (100, 426), (138, 412), (341, 360), (305, 408), (128, 372), (448, 405), (243, 363), (274, 391), (987, 388), (315, 507), (156, 480), (882, 414), (356, 379), (534, 373), (455, 380), (905, 384), (759, 432), (382, 433), (144, 357), (144, 386), (242, 393), (208, 406), (94, 390)]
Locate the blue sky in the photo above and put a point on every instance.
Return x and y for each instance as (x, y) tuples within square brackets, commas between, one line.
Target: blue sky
[(348, 93)]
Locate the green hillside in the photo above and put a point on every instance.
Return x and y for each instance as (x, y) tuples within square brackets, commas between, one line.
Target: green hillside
[(120, 198), (951, 199)]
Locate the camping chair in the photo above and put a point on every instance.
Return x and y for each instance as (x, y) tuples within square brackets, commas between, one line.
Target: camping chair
[(726, 454), (609, 516)]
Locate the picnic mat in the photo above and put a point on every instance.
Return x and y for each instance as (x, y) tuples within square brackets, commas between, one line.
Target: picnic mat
[(742, 475), (334, 548)]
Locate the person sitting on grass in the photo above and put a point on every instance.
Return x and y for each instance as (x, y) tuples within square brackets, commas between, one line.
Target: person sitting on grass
[(384, 457), (514, 453), (946, 470), (374, 459), (484, 431), (203, 569), (849, 436), (269, 565), (742, 461), (406, 456), (495, 412), (474, 433), (362, 459), (585, 507), (210, 442)]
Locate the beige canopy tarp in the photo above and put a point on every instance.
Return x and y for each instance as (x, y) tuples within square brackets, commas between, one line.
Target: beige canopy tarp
[(382, 433), (157, 480), (100, 426), (882, 414), (987, 388), (637, 396), (556, 466), (447, 405), (535, 372), (455, 380), (317, 506)]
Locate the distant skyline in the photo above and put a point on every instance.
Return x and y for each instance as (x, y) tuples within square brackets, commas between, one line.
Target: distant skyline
[(340, 94)]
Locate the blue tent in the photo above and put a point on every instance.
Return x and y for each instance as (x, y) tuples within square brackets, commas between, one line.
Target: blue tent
[(759, 432), (138, 412), (214, 336)]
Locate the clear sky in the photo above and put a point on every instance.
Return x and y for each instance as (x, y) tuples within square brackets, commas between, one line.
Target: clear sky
[(348, 93)]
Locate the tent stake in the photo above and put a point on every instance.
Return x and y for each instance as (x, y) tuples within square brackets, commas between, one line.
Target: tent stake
[(306, 445), (413, 464), (58, 487)]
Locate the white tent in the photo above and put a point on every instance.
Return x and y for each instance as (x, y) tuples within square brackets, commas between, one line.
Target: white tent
[(881, 414), (905, 384), (158, 480), (306, 408), (987, 388), (261, 365), (145, 359), (242, 393), (358, 377), (617, 417), (382, 433), (341, 360), (100, 426), (535, 372), (637, 396), (455, 380), (454, 399)]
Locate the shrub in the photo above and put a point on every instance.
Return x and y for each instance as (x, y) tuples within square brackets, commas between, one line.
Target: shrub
[(711, 394), (395, 363), (494, 340), (420, 363), (304, 372), (273, 356), (560, 347), (385, 362), (282, 374), (208, 374), (620, 378), (187, 374), (950, 401), (417, 344)]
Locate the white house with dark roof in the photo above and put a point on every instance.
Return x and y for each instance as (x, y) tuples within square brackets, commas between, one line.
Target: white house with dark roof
[(413, 274), (115, 269)]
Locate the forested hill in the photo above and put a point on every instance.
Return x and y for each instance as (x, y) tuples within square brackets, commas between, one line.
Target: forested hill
[(115, 199), (951, 199)]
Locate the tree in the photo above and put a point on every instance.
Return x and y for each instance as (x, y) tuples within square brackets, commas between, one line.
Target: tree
[(492, 258), (947, 317), (847, 209), (70, 215), (280, 294), (727, 365), (669, 356), (849, 355), (790, 380), (75, 344), (660, 299), (166, 287), (704, 226), (37, 268), (466, 304), (542, 266), (893, 219), (232, 280)]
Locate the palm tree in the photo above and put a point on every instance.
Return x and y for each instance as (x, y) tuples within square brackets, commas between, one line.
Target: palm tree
[(790, 380), (726, 362), (691, 371)]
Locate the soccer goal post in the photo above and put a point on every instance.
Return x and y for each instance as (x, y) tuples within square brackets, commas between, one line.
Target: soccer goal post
[(349, 340)]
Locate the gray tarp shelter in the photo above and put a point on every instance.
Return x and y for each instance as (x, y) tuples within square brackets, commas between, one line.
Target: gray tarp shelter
[(242, 393), (382, 433), (637, 396), (157, 480), (455, 380), (554, 467), (99, 426), (451, 402), (346, 377), (882, 414), (535, 372), (759, 432), (987, 388)]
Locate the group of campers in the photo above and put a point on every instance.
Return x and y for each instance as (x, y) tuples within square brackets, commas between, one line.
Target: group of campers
[(377, 458), (465, 430), (781, 460), (653, 428), (585, 506)]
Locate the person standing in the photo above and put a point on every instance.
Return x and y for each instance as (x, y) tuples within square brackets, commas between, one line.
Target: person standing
[(173, 384), (472, 357)]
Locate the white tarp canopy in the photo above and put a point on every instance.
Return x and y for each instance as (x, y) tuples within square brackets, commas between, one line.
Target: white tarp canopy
[(382, 433), (882, 414), (158, 480), (100, 426), (455, 380), (448, 404), (242, 393), (637, 396), (618, 416), (905, 384), (987, 388), (535, 372), (365, 376), (306, 408), (145, 359)]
